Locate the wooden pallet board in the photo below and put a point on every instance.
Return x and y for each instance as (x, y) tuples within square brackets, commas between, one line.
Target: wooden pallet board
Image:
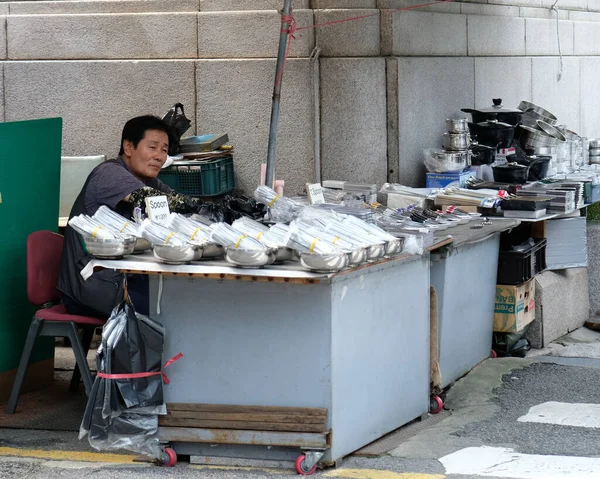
[(257, 418)]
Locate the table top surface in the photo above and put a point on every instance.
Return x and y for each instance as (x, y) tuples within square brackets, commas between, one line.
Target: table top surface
[(291, 272)]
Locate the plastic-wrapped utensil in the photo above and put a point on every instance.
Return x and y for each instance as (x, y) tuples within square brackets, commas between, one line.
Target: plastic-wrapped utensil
[(159, 234), (114, 220), (228, 237)]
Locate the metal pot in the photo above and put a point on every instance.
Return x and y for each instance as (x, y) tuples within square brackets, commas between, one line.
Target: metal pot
[(496, 112), (456, 141), (511, 173), (532, 138), (483, 155), (533, 113), (453, 160), (551, 130), (493, 133), (457, 125), (538, 165)]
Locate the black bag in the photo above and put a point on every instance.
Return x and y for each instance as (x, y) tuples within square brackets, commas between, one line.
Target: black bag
[(179, 124)]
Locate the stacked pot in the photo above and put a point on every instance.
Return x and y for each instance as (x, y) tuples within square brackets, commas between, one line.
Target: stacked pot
[(594, 150), (456, 142)]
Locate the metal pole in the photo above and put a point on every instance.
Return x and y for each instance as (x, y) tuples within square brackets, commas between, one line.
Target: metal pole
[(283, 38)]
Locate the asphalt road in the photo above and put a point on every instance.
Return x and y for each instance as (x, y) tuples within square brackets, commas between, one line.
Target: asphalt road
[(485, 409)]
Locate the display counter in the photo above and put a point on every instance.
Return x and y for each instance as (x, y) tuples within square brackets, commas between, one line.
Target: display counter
[(279, 360), (463, 275)]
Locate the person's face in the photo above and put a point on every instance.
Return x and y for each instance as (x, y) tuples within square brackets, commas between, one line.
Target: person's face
[(148, 158)]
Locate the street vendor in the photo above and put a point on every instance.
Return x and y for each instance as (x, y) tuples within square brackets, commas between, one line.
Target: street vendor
[(121, 184)]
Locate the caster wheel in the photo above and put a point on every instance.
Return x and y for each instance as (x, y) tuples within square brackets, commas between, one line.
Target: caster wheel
[(436, 405), (300, 468), (171, 458), (493, 354)]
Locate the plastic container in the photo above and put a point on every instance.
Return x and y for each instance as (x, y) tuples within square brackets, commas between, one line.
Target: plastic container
[(198, 178), (517, 267)]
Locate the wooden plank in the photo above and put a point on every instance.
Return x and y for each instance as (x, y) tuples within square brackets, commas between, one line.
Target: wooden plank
[(232, 408), (242, 417), (224, 276), (239, 425), (257, 438)]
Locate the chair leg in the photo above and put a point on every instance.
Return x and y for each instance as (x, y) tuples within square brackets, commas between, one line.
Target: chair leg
[(80, 357), (86, 341), (32, 334)]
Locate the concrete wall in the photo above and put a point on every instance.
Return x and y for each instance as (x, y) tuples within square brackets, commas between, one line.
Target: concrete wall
[(378, 94)]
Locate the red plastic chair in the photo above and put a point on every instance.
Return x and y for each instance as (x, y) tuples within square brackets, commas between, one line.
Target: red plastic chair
[(44, 253)]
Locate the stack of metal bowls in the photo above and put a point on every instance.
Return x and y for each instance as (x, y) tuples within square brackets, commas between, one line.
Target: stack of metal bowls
[(594, 151)]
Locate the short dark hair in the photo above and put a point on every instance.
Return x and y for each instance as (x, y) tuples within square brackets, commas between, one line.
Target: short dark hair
[(135, 129)]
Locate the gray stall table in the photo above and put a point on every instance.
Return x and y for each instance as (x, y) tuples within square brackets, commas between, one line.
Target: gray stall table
[(464, 277), (353, 346)]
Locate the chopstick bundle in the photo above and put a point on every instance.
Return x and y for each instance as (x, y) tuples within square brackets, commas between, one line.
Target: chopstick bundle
[(306, 242), (282, 209), (228, 237), (89, 227), (115, 221), (159, 234), (195, 232)]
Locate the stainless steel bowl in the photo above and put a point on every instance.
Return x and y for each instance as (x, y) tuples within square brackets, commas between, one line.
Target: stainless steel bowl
[(110, 248), (532, 138), (594, 143), (457, 125), (358, 256), (255, 258), (212, 251), (141, 245), (594, 151), (394, 246), (456, 141), (174, 254), (534, 112), (324, 263), (284, 253), (375, 251), (551, 130)]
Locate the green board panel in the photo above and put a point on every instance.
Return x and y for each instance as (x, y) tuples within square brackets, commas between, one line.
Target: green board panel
[(30, 153)]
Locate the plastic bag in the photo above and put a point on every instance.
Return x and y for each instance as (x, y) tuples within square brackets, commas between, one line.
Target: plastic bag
[(179, 124), (122, 412)]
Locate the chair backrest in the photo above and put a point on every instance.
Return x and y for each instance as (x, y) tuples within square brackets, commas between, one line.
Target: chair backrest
[(74, 170), (44, 255)]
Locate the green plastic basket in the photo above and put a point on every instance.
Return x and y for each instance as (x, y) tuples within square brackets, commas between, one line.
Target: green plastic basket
[(197, 178)]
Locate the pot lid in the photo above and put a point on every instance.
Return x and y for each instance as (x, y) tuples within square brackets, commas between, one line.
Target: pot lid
[(494, 125), (510, 166), (498, 108)]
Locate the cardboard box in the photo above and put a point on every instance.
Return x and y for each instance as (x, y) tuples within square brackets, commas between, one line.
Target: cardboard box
[(515, 307), (443, 180)]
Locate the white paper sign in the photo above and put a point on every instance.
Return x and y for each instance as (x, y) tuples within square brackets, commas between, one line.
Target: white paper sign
[(157, 208), (315, 193)]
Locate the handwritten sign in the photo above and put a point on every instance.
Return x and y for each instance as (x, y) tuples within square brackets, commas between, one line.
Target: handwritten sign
[(315, 193), (157, 208)]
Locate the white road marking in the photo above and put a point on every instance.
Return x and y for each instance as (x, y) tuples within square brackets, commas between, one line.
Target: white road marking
[(504, 462), (564, 414)]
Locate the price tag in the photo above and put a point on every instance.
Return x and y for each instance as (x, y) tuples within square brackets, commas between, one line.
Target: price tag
[(157, 208), (315, 193)]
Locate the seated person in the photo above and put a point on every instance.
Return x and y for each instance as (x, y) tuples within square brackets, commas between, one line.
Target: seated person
[(121, 184)]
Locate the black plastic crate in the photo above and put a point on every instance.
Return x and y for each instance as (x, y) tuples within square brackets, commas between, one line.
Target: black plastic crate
[(517, 267)]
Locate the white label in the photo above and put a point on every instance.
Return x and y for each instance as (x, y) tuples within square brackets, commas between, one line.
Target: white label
[(157, 208), (315, 193)]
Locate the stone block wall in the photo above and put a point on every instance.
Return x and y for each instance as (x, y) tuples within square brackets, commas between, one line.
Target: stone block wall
[(376, 96)]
